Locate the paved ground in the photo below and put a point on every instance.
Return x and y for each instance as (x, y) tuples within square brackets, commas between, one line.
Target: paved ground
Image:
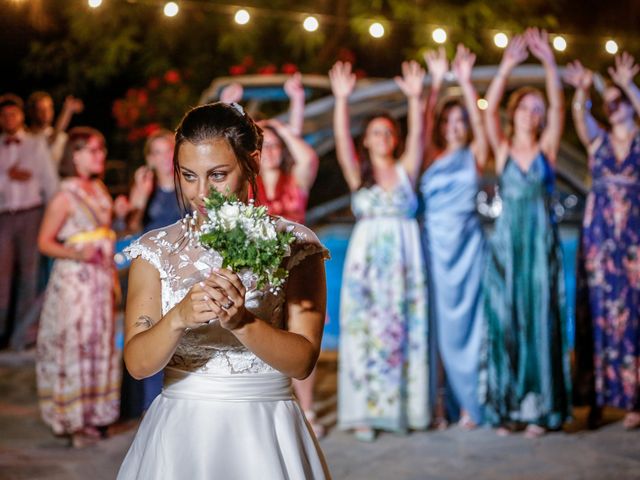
[(29, 451)]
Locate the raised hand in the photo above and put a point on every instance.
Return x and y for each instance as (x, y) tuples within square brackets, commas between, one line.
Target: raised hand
[(232, 93), (343, 80), (143, 182), (437, 65), (625, 69), (538, 43), (515, 53), (577, 76), (73, 104), (293, 87), (412, 81), (462, 64)]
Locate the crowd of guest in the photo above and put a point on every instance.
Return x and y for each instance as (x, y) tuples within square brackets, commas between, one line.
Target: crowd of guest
[(439, 322)]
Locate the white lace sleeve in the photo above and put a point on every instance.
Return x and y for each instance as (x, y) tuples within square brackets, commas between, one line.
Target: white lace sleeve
[(147, 250)]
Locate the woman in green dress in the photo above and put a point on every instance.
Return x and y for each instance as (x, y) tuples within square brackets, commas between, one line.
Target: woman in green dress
[(525, 376)]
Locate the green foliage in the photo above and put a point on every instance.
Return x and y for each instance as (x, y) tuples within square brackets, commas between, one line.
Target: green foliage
[(239, 247)]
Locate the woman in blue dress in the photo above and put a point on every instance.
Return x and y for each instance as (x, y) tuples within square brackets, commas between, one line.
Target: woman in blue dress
[(525, 378), (457, 151), (383, 369)]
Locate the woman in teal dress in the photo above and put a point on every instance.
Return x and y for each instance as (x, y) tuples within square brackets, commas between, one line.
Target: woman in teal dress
[(383, 368), (452, 234), (525, 377)]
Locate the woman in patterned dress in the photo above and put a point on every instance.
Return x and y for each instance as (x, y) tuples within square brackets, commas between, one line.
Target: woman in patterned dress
[(383, 364), (77, 363), (610, 249), (525, 377)]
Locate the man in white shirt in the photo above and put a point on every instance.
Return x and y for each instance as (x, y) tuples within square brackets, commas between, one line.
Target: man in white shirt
[(27, 181)]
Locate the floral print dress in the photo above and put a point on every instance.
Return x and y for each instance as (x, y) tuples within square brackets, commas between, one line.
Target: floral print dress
[(77, 363), (383, 366), (611, 261)]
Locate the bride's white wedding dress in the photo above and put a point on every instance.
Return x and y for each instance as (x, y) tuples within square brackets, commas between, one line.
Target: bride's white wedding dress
[(223, 412)]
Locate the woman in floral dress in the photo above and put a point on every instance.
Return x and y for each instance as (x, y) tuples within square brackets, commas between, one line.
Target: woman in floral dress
[(77, 364), (383, 366), (610, 250)]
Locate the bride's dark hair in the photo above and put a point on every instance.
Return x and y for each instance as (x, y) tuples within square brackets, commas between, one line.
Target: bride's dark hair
[(221, 121)]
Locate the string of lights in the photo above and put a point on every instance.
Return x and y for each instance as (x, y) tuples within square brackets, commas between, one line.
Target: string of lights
[(311, 22)]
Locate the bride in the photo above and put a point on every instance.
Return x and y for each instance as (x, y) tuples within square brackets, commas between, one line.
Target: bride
[(228, 354)]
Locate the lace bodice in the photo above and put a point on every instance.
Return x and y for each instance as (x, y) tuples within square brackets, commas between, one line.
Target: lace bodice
[(182, 262)]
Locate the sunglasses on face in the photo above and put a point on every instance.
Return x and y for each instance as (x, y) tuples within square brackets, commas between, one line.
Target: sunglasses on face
[(612, 105)]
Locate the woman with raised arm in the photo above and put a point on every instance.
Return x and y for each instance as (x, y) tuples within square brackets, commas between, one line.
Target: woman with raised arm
[(288, 170), (525, 378), (77, 364), (226, 409), (610, 247), (454, 241), (383, 365)]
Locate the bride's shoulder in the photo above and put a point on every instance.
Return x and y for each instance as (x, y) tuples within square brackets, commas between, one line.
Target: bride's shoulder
[(305, 243), (158, 243)]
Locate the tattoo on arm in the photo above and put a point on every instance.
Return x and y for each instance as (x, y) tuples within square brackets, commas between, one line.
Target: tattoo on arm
[(144, 321)]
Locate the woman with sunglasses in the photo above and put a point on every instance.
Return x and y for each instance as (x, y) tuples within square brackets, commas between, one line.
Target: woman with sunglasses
[(610, 247)]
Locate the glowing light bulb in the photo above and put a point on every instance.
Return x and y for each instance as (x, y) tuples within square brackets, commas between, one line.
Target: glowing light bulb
[(376, 30), (559, 43), (482, 104), (310, 24), (242, 17), (611, 47), (501, 40), (439, 35), (171, 9), (94, 3)]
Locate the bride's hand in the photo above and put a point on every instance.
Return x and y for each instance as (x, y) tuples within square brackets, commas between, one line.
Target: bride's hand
[(197, 307), (227, 298)]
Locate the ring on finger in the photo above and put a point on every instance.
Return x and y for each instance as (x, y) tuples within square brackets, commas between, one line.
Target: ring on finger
[(228, 305)]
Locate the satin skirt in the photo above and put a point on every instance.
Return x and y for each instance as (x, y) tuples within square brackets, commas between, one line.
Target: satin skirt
[(224, 426)]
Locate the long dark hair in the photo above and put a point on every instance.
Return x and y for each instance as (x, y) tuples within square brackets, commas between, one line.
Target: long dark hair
[(287, 160), (220, 121), (366, 168), (443, 116)]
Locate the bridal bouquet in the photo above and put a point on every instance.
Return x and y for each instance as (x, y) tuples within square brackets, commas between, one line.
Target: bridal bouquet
[(246, 238)]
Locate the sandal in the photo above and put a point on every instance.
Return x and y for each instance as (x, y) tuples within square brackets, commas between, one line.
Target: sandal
[(440, 424), (534, 431), (631, 420), (466, 423)]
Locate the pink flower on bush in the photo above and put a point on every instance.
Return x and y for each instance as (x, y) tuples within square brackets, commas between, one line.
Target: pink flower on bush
[(267, 70), (171, 77), (237, 70), (153, 83), (289, 68)]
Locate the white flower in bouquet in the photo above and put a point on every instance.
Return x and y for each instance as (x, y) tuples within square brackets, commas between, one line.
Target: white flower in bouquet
[(246, 238)]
